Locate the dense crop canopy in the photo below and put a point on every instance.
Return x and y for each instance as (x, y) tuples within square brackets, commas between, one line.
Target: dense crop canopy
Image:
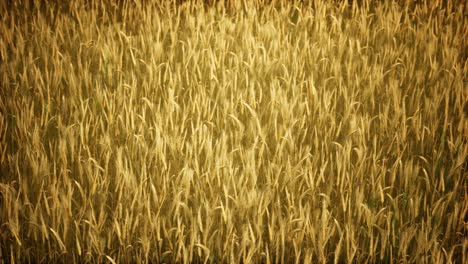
[(233, 132)]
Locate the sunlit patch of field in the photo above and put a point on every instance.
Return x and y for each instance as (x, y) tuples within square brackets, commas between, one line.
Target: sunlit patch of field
[(234, 133)]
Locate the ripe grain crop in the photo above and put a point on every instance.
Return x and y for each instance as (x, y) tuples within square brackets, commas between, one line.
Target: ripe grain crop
[(233, 132)]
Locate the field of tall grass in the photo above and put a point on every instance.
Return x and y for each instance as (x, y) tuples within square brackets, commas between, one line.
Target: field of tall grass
[(234, 132)]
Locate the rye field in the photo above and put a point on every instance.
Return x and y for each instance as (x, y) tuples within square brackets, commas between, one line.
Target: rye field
[(233, 131)]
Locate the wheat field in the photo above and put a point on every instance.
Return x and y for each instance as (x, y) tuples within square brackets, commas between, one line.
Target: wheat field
[(233, 131)]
